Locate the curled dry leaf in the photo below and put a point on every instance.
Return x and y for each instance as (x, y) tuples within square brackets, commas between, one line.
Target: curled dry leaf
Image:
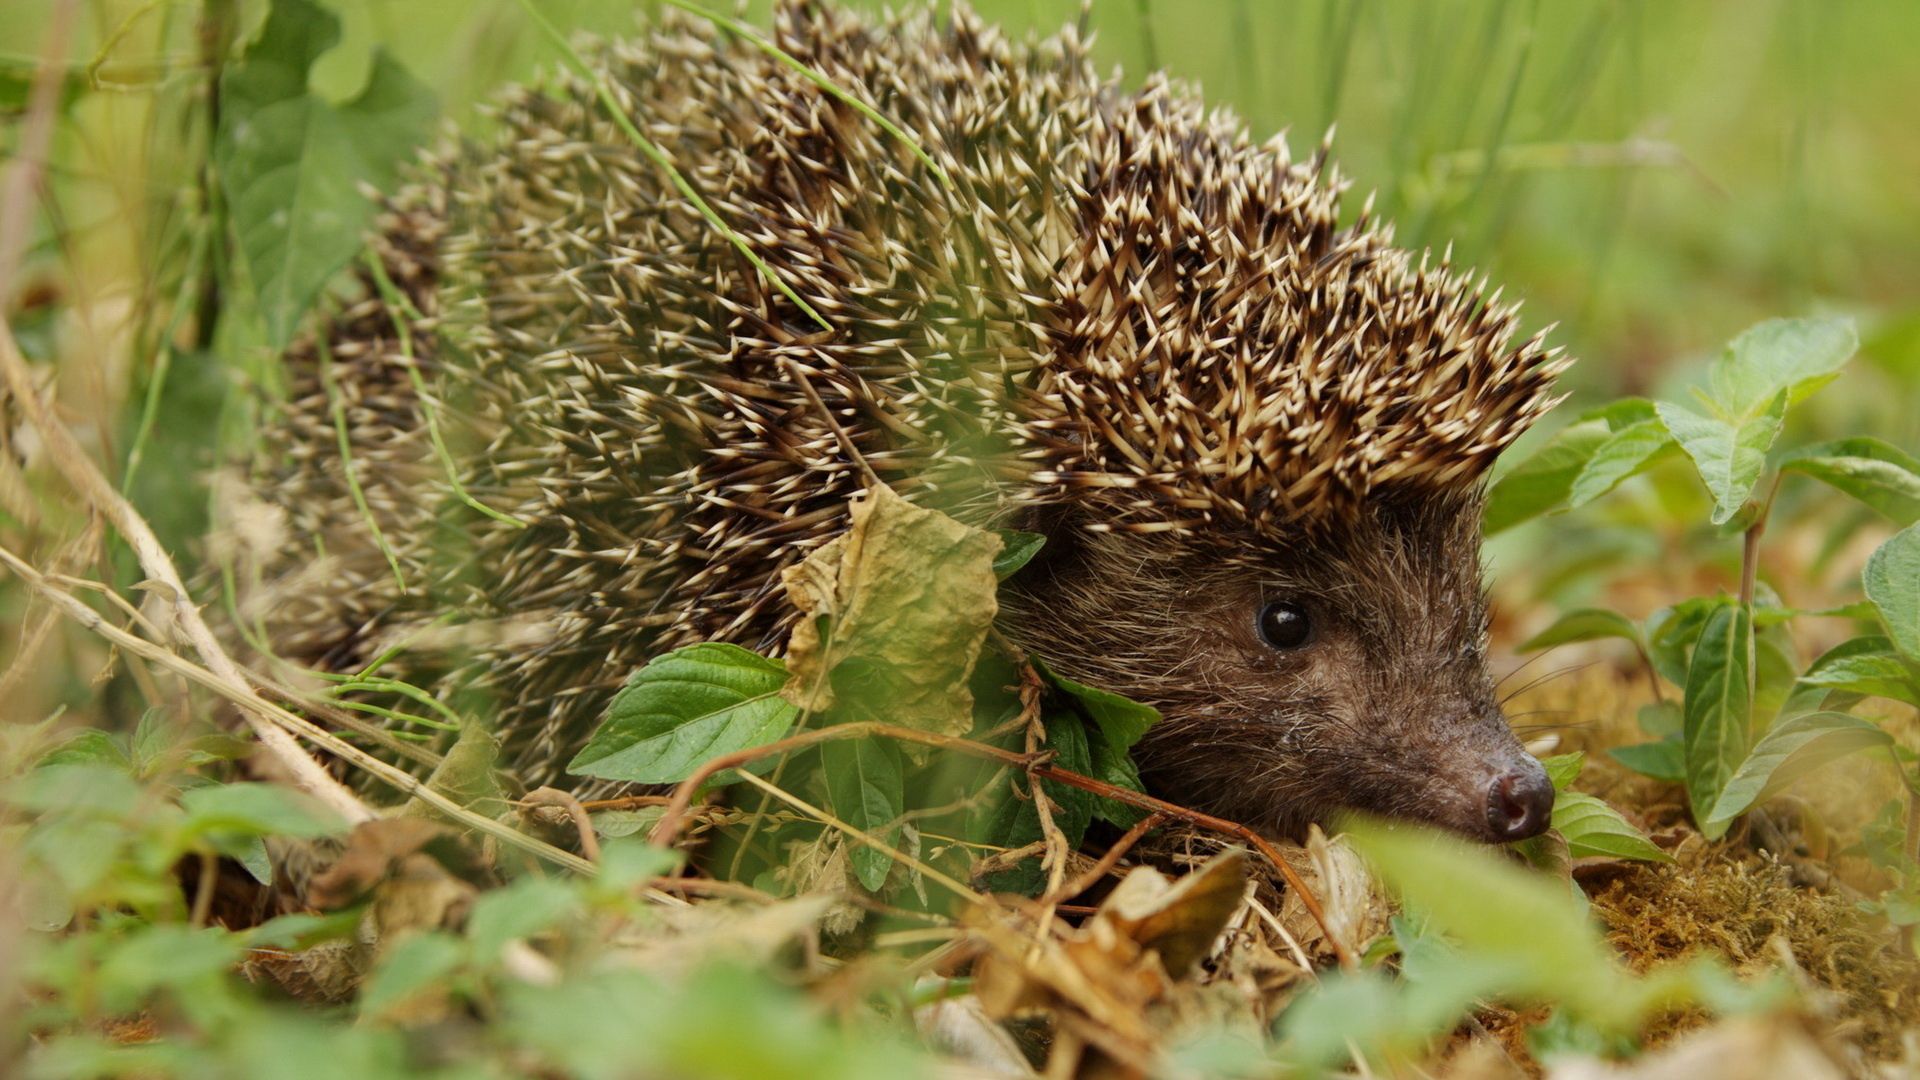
[(961, 1027), (1177, 919), (419, 874), (821, 867), (907, 594), (1356, 909), (677, 941), (1107, 974)]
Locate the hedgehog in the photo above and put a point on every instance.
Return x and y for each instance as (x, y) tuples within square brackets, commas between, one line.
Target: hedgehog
[(582, 427)]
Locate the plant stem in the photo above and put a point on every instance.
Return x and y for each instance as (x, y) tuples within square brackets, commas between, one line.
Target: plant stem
[(1749, 575), (668, 829)]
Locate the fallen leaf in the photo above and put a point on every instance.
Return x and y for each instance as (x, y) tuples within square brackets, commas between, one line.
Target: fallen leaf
[(1178, 919), (1109, 974), (895, 610)]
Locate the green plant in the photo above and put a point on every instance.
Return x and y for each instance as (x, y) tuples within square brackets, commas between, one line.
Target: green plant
[(1750, 719)]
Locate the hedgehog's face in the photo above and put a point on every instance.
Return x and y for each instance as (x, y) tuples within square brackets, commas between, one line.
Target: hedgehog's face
[(1299, 679)]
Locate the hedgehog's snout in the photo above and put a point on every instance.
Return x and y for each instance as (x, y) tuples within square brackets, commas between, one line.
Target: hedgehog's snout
[(1519, 802), (1485, 785)]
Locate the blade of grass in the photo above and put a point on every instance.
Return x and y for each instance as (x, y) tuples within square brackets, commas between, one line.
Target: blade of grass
[(402, 308), (753, 37), (395, 715), (1502, 125), (337, 406), (1149, 44), (604, 91), (163, 359), (406, 690), (1336, 51)]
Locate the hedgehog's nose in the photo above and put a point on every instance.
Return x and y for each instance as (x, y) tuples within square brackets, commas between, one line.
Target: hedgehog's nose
[(1520, 802)]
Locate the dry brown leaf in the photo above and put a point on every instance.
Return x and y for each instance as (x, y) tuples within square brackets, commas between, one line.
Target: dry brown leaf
[(961, 1027), (329, 973), (675, 941), (372, 851), (420, 875), (1107, 975), (1356, 908), (909, 593), (1178, 919), (820, 867)]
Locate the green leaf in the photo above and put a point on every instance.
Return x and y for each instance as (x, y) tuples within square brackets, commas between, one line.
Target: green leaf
[(1794, 357), (867, 789), (291, 162), (616, 824), (1877, 473), (1729, 454), (1499, 912), (1585, 624), (1016, 550), (416, 964), (1892, 582), (1717, 710), (163, 956), (1661, 719), (257, 810), (522, 909), (101, 790), (684, 708), (90, 746), (1796, 746), (627, 863), (1122, 720), (1564, 769), (1625, 453), (1672, 631), (1665, 759), (1116, 768), (1591, 827), (1621, 413), (1868, 666), (1541, 482), (303, 930)]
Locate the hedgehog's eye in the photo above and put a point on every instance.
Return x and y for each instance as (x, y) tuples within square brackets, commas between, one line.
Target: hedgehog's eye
[(1285, 626)]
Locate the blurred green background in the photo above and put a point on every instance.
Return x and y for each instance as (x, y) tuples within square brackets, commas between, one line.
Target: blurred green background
[(1653, 177)]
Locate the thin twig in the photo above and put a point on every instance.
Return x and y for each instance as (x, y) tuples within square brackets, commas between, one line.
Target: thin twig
[(1112, 858), (668, 830), (713, 887), (203, 891), (1059, 850), (864, 837), (554, 797), (252, 704)]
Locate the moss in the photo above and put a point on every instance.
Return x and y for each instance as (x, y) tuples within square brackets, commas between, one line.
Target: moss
[(1747, 910)]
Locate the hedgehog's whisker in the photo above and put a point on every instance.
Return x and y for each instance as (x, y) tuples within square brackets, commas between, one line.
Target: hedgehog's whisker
[(1548, 677)]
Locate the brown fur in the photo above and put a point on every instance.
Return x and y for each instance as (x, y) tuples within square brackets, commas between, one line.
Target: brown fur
[(1388, 709)]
